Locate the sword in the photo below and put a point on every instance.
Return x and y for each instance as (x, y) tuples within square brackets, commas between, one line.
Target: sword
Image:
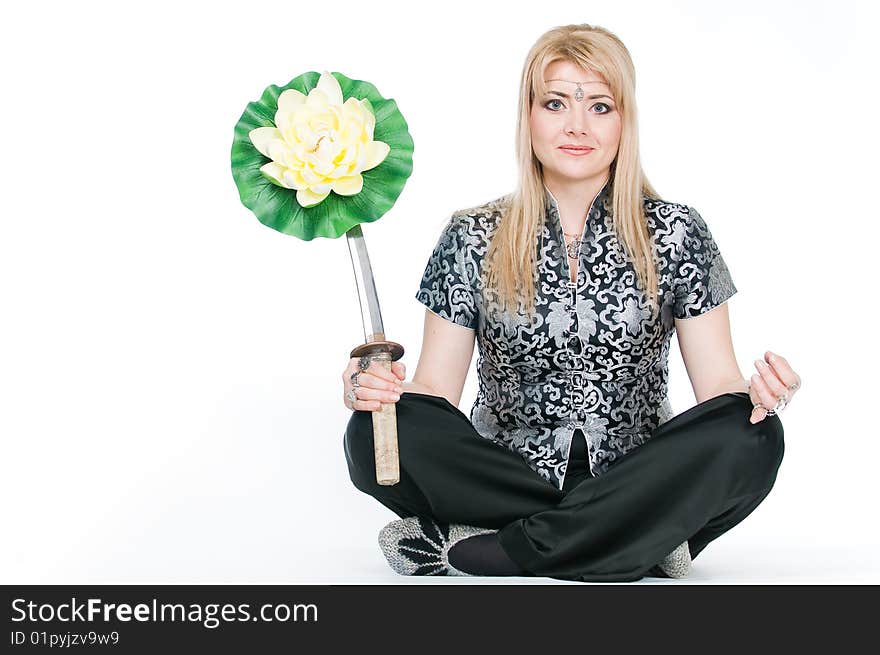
[(376, 349)]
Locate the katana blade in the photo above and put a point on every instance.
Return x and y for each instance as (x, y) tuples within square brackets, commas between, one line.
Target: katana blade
[(371, 316)]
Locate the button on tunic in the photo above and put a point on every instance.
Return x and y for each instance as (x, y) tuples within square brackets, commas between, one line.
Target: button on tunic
[(595, 356)]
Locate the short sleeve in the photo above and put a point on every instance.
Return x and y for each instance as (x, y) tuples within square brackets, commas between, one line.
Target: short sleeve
[(445, 288), (702, 280)]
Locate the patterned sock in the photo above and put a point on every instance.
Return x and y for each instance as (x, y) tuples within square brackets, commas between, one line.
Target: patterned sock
[(677, 564), (483, 555), (418, 545)]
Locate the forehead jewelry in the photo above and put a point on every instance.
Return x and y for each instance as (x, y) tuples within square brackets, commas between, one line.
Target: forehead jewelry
[(578, 92)]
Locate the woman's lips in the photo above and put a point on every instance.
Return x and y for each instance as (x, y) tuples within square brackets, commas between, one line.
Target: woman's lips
[(577, 152)]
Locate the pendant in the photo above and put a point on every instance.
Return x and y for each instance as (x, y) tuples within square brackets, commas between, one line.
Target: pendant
[(574, 248), (579, 93)]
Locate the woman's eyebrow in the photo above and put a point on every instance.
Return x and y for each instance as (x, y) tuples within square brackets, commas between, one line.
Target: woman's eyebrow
[(590, 97)]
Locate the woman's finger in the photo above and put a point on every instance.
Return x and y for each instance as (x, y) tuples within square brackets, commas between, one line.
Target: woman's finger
[(369, 399), (362, 405), (768, 399), (784, 374), (371, 393), (353, 365), (782, 369), (758, 413), (765, 397), (373, 381), (776, 386), (399, 370), (377, 370)]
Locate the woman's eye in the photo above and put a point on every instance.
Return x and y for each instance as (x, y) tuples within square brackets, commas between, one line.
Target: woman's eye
[(607, 108)]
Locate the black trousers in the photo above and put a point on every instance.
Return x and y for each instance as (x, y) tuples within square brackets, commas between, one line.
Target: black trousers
[(700, 474)]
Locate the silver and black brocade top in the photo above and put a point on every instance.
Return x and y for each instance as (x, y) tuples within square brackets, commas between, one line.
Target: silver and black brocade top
[(595, 355)]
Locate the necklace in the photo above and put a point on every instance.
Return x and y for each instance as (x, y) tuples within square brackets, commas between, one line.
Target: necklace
[(573, 248)]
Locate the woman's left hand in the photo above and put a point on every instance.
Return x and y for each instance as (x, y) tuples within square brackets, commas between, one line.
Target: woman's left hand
[(774, 380)]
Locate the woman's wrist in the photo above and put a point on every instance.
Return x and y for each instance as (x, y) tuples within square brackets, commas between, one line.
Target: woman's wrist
[(735, 386)]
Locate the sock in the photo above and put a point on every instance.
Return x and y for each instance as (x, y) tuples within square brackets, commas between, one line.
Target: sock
[(482, 554)]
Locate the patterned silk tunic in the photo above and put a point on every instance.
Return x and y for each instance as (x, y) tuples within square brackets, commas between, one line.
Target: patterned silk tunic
[(595, 356)]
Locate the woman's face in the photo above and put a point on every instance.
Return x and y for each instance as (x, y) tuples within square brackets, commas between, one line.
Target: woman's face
[(558, 119)]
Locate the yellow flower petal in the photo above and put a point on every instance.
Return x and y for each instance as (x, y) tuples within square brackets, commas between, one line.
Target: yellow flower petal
[(290, 100), (310, 176), (330, 86), (375, 153), (317, 101), (324, 168), (277, 150), (284, 120), (348, 186), (369, 118), (274, 172), (308, 199), (343, 170), (293, 180), (261, 136)]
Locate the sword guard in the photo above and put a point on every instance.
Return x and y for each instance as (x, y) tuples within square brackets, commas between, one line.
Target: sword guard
[(379, 346)]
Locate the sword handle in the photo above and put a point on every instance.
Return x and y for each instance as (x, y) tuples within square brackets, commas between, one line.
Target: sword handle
[(385, 435), (385, 418)]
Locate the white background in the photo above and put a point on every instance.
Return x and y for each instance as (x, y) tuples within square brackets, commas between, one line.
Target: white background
[(170, 395)]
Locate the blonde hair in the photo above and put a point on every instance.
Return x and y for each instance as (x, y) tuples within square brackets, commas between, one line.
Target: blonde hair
[(511, 264)]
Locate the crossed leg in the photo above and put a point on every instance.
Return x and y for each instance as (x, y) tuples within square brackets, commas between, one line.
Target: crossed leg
[(701, 473)]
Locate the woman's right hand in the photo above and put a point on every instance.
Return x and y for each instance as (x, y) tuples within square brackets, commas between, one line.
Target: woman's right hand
[(376, 385)]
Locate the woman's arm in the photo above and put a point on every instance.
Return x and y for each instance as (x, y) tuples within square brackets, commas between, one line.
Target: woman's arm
[(707, 350), (447, 350)]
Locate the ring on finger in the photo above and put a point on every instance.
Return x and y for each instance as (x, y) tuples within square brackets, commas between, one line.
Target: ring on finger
[(781, 403), (351, 395), (354, 379)]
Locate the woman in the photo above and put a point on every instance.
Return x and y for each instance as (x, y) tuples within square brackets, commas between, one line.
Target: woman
[(571, 465)]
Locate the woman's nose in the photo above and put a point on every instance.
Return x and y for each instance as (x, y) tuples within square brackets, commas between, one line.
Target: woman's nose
[(577, 123)]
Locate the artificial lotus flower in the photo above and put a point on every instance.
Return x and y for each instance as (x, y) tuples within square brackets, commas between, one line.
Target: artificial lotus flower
[(359, 149), (320, 144)]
